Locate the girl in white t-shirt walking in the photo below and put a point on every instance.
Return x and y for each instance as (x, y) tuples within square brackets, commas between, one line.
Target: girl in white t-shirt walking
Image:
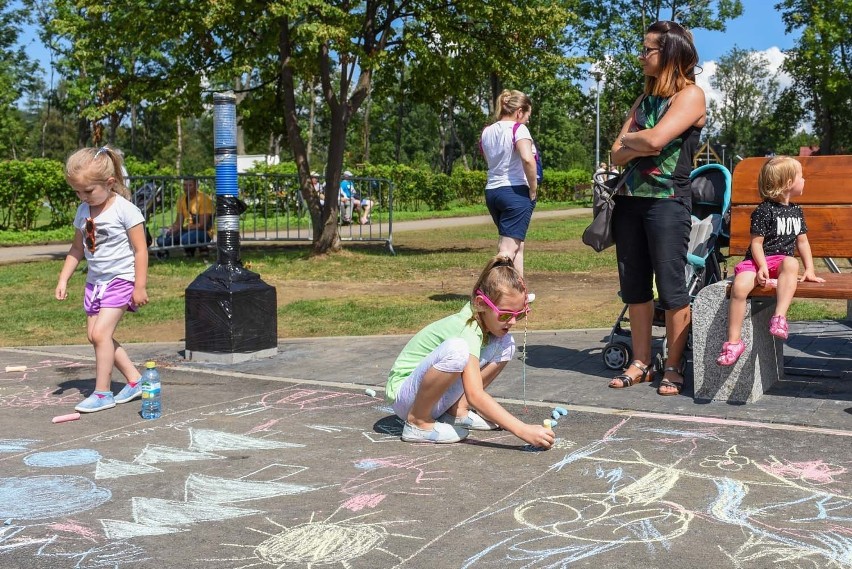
[(111, 237), (510, 191)]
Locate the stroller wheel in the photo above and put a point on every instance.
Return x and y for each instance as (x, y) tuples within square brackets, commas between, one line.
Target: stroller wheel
[(616, 355), (659, 362)]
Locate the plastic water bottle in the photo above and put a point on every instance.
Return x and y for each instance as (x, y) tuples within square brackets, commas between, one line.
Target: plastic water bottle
[(151, 406)]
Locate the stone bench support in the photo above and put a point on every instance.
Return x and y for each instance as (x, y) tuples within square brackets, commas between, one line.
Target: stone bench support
[(760, 366)]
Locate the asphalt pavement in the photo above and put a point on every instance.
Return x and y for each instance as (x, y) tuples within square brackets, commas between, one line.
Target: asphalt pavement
[(288, 461)]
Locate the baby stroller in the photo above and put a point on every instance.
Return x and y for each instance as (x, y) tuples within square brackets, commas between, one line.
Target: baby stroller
[(711, 200), (147, 198)]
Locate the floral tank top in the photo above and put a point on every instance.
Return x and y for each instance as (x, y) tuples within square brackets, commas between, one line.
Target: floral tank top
[(666, 175)]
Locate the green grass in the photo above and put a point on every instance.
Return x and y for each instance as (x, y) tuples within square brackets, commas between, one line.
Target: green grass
[(360, 291)]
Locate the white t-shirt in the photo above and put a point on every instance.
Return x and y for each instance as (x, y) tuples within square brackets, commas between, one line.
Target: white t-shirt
[(504, 164), (113, 257)]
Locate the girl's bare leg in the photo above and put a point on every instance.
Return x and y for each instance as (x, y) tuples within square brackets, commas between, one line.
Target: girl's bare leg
[(743, 285), (787, 282), (101, 328), (432, 387)]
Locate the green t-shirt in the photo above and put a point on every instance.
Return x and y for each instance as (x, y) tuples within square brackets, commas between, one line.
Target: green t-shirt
[(426, 340)]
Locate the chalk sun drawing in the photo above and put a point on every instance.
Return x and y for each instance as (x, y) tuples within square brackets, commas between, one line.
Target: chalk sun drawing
[(323, 542)]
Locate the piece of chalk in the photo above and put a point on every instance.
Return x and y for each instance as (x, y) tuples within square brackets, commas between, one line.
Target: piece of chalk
[(8, 522), (15, 368), (64, 418), (555, 414), (370, 392), (561, 410), (548, 423)]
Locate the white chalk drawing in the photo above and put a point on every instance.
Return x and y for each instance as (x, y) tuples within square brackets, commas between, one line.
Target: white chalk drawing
[(200, 488), (731, 461), (275, 472), (58, 459), (16, 445), (324, 542), (155, 454), (159, 512), (795, 521), (49, 496), (121, 530), (111, 468), (302, 399), (206, 440)]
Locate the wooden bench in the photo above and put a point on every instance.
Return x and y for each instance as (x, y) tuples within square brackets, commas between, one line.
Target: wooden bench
[(827, 206)]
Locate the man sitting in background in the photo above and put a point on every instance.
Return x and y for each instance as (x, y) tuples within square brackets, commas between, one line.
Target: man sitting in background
[(194, 222)]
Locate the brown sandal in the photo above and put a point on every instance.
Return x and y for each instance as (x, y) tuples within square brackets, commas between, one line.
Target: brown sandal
[(626, 380), (677, 386)]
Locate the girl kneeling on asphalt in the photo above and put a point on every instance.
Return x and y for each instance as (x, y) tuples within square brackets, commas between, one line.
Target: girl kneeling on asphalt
[(437, 384)]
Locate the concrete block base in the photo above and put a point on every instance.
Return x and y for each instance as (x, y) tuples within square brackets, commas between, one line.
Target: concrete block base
[(760, 366), (214, 358)]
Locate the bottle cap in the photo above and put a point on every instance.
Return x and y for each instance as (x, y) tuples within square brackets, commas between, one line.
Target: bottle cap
[(150, 365)]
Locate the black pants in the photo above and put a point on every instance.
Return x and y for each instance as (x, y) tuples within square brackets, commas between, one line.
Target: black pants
[(652, 239)]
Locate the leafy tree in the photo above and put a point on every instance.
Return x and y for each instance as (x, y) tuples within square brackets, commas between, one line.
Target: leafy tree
[(749, 94), (450, 48), (17, 78), (820, 64)]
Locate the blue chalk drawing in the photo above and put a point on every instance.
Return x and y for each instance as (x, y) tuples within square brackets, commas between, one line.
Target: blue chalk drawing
[(15, 445), (76, 457), (43, 497)]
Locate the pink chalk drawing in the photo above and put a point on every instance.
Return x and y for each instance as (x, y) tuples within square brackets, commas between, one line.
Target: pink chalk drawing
[(814, 472), (313, 399), (397, 471), (263, 426), (72, 526), (33, 399), (361, 501)]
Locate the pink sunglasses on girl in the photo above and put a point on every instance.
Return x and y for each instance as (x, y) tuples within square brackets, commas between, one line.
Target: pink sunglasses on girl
[(504, 315)]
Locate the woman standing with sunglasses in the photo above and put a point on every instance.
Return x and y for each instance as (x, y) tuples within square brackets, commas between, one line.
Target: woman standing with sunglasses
[(651, 224), (111, 237), (437, 384)]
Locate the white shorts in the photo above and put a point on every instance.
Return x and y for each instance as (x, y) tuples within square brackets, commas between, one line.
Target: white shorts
[(451, 356)]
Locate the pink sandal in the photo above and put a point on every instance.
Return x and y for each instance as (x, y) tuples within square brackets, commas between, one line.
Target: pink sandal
[(730, 353), (778, 327)]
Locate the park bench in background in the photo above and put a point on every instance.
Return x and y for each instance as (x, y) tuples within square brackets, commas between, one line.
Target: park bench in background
[(827, 205)]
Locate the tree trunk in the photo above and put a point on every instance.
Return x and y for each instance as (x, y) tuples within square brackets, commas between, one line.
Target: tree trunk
[(312, 118), (323, 221), (179, 153)]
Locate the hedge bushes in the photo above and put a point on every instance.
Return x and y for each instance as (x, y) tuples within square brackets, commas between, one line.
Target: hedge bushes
[(27, 186)]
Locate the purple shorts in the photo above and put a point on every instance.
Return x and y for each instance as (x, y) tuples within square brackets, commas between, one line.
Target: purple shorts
[(773, 263), (118, 293)]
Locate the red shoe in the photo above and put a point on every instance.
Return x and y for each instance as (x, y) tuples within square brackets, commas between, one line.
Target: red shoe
[(730, 353), (778, 327)]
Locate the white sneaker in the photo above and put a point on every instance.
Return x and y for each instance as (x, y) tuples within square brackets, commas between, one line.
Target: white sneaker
[(441, 433), (530, 297), (472, 421)]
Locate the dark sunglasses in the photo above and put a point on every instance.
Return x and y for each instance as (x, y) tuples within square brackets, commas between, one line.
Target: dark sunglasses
[(89, 239)]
